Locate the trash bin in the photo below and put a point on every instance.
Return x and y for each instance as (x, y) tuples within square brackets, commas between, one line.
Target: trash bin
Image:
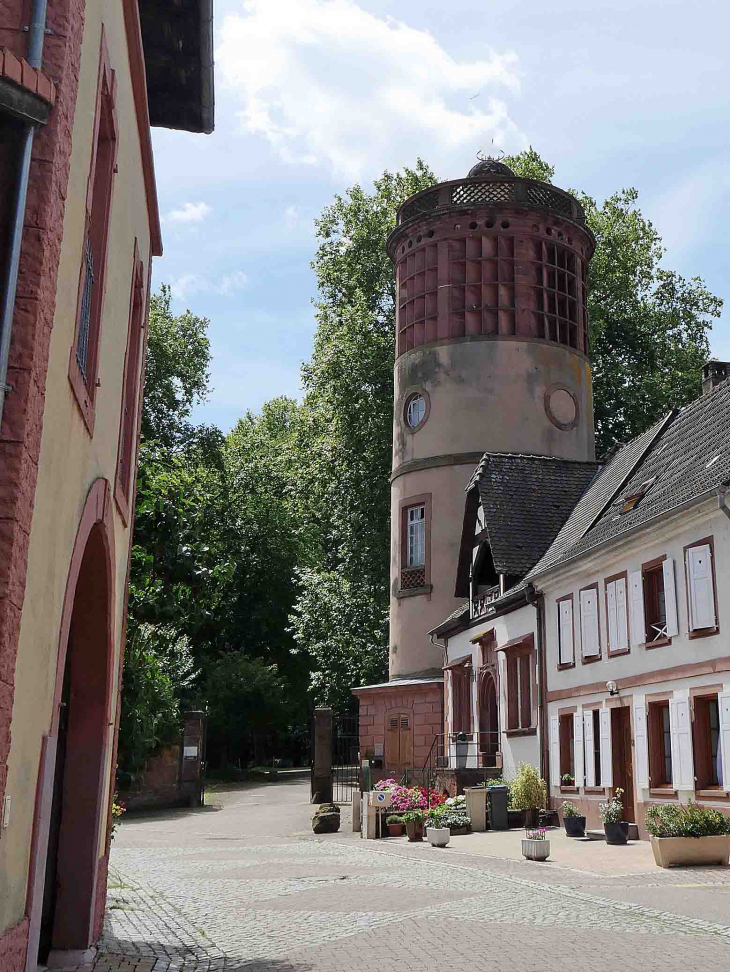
[(497, 798), (462, 749)]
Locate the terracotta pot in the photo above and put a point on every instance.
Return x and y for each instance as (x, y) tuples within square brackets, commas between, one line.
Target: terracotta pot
[(575, 826), (670, 851), (414, 829), (395, 830)]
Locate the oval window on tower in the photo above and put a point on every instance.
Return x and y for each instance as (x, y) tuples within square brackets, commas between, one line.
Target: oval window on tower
[(416, 410)]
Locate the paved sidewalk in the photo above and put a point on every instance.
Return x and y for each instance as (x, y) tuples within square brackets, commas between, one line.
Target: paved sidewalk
[(248, 886)]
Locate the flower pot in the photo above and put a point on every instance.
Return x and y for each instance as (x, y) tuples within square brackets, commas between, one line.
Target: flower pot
[(532, 816), (438, 836), (414, 829), (616, 833), (671, 851), (535, 850), (395, 830), (459, 831), (575, 826)]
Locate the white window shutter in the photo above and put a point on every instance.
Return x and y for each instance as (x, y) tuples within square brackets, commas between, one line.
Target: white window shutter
[(590, 762), (641, 746), (723, 704), (612, 617), (701, 593), (589, 622), (578, 747), (622, 621), (606, 755), (680, 727), (670, 598), (636, 600), (565, 632), (555, 752)]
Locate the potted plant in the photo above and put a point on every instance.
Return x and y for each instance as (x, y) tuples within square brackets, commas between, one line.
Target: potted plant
[(688, 834), (535, 845), (413, 819), (575, 824), (529, 793), (615, 829), (395, 825), (568, 779), (437, 833)]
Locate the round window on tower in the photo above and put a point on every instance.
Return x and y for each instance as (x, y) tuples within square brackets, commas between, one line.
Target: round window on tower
[(416, 410)]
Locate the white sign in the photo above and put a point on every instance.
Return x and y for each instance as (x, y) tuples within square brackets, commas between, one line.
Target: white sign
[(380, 798), (190, 752)]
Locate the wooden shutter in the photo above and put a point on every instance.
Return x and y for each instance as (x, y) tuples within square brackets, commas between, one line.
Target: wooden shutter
[(723, 705), (641, 746), (578, 747), (670, 598), (701, 591), (554, 752), (636, 601), (622, 621), (589, 622), (588, 747), (565, 632), (612, 616), (680, 727), (606, 755)]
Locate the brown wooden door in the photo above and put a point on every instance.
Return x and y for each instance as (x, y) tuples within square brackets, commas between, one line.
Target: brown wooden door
[(623, 766), (399, 740)]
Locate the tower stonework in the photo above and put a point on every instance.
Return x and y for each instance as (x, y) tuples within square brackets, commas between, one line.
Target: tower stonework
[(491, 355)]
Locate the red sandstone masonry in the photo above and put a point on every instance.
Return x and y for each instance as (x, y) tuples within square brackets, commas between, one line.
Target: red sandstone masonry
[(13, 946)]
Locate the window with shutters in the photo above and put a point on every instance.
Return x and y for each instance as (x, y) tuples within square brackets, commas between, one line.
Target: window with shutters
[(617, 613), (131, 389), (590, 634), (595, 754), (461, 696), (520, 662), (708, 743), (399, 740), (655, 607), (566, 632), (415, 572), (660, 745), (84, 357), (699, 563), (567, 751)]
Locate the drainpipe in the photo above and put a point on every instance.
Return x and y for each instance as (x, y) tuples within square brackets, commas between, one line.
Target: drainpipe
[(722, 501), (437, 644), (36, 36), (538, 602)]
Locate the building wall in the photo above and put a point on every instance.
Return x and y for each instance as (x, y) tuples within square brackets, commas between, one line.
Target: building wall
[(515, 749), (70, 459), (424, 703), (677, 669)]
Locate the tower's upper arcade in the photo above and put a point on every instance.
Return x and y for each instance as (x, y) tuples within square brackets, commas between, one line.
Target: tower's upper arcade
[(492, 255)]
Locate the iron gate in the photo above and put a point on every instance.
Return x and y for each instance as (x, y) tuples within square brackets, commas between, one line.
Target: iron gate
[(345, 757)]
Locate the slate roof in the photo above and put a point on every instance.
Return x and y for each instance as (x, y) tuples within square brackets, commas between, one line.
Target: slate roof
[(526, 500), (686, 454)]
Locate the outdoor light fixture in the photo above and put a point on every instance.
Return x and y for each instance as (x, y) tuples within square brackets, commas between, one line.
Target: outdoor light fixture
[(612, 688)]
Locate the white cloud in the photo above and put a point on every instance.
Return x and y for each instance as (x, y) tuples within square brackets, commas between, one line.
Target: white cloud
[(190, 213), (291, 217), (190, 284), (326, 82)]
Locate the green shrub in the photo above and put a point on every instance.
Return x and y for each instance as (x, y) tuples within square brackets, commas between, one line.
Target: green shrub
[(676, 820), (394, 818), (528, 791), (411, 815)]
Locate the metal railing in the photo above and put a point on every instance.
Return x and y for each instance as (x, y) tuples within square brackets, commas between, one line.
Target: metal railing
[(477, 751), (480, 603)]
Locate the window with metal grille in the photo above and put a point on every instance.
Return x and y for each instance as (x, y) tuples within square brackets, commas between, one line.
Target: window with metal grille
[(414, 543)]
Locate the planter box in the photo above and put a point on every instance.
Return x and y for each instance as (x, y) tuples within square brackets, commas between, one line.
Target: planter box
[(616, 833), (535, 850), (476, 807), (671, 851), (438, 836), (516, 818), (414, 829), (395, 830), (459, 831)]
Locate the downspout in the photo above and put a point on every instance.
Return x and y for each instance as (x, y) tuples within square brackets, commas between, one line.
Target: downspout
[(437, 644), (538, 602), (36, 37)]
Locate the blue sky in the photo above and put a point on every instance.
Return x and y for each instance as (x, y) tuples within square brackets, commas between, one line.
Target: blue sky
[(314, 95)]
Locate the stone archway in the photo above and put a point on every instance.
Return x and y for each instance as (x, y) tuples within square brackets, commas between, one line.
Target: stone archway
[(488, 718), (70, 831)]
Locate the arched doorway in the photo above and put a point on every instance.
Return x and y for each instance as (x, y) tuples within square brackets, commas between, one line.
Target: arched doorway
[(82, 712), (488, 719)]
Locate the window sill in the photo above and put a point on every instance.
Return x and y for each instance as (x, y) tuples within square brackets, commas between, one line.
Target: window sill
[(529, 731), (565, 665), (703, 633), (590, 660), (569, 789), (596, 790), (712, 793), (663, 791), (84, 400), (414, 591), (659, 643), (619, 651), (120, 498)]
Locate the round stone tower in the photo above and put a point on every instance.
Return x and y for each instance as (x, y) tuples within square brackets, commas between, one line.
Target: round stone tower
[(491, 355)]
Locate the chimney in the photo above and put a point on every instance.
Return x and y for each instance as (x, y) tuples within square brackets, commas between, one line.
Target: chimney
[(713, 373)]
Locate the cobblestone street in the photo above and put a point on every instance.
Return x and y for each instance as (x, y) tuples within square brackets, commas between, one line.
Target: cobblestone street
[(245, 884)]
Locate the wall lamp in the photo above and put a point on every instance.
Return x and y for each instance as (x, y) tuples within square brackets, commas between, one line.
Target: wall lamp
[(612, 687)]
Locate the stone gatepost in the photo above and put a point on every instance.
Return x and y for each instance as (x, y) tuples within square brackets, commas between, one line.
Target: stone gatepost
[(322, 767)]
